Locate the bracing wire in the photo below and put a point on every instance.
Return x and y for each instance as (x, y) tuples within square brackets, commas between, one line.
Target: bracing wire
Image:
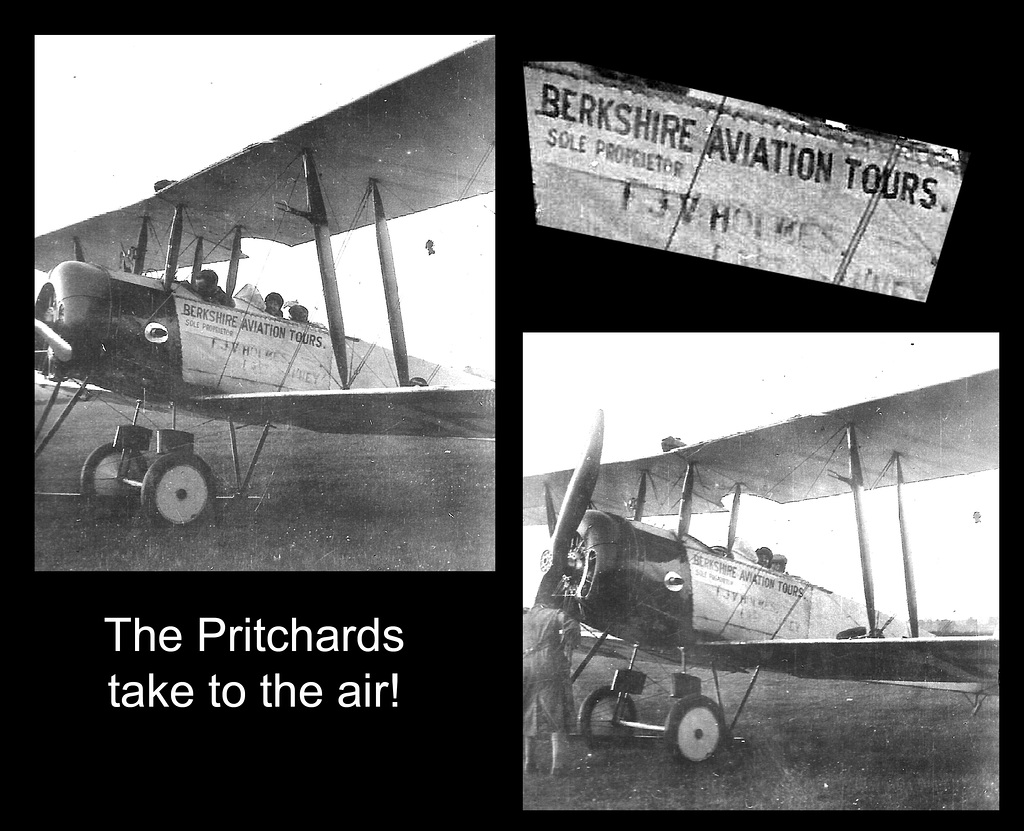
[(476, 172), (865, 218), (696, 172)]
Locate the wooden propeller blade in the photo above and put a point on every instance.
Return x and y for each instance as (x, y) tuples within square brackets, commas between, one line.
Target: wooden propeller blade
[(61, 348), (581, 489)]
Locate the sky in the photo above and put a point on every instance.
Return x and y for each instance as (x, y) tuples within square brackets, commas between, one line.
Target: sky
[(112, 118), (702, 386)]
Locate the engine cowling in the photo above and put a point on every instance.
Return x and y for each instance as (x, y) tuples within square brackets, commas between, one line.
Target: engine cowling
[(75, 303), (631, 580)]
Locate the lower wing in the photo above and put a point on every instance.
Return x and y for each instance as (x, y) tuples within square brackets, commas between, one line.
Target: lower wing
[(914, 661), (400, 411)]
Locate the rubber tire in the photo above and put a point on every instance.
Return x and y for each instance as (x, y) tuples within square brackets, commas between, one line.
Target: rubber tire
[(703, 716), (604, 697), (111, 495), (195, 489)]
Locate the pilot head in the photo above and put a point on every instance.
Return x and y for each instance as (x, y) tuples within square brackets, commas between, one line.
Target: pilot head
[(273, 303), (206, 282)]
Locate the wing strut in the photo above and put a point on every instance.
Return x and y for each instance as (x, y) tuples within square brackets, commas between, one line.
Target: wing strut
[(317, 216), (173, 247), (686, 501), (641, 497), (236, 256), (856, 483), (734, 515), (387, 270), (197, 261), (908, 565), (139, 262)]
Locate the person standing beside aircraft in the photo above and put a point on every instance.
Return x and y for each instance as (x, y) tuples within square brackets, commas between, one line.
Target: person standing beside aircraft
[(550, 635), (273, 304), (207, 288)]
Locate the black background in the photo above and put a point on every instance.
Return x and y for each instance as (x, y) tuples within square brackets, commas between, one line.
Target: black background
[(449, 748)]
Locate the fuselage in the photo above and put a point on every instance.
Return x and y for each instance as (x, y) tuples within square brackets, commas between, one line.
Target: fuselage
[(642, 584), (129, 334)]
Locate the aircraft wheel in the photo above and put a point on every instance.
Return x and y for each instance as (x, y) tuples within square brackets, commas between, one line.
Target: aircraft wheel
[(596, 716), (178, 489), (99, 474), (694, 729)]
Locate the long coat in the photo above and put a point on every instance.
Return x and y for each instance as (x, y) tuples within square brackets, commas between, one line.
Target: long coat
[(549, 638)]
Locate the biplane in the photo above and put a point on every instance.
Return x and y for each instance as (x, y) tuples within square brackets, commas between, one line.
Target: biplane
[(110, 315), (669, 593)]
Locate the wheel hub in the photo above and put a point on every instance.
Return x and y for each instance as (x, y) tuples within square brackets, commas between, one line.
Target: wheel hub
[(180, 492), (698, 733)]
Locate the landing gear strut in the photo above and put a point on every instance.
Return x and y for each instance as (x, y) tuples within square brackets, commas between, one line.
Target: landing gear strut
[(176, 487), (109, 468)]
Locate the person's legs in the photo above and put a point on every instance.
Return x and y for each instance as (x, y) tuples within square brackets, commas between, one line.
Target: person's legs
[(530, 763), (559, 751)]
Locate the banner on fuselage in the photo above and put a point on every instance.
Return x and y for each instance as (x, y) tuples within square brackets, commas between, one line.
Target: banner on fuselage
[(235, 350)]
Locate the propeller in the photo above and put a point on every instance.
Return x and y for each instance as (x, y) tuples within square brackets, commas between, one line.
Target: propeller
[(61, 348), (574, 506)]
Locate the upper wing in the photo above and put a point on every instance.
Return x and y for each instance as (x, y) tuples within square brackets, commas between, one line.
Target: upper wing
[(428, 137), (402, 411), (934, 660), (942, 430)]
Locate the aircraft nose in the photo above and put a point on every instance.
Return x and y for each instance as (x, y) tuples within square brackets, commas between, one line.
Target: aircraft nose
[(77, 313), (81, 294)]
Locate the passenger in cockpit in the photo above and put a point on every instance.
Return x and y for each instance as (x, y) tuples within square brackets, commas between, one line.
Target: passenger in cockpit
[(298, 313), (764, 557), (273, 304), (207, 288)]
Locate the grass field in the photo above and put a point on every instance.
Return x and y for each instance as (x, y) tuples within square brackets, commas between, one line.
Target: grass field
[(333, 502), (800, 744)]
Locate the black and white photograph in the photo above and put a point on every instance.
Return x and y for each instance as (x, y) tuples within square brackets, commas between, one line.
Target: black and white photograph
[(265, 350), (265, 305), (652, 163), (761, 570)]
